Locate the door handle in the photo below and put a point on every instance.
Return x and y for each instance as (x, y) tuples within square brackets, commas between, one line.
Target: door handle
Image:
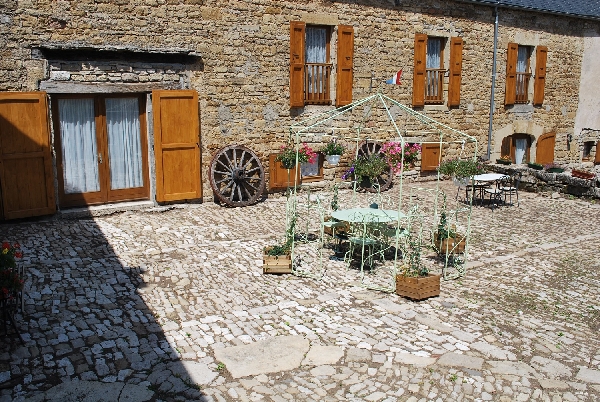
[(100, 158)]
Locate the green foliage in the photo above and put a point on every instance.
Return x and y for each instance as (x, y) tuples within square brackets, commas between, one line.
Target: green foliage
[(333, 148), (369, 166), (443, 231), (412, 254), (334, 201), (460, 168)]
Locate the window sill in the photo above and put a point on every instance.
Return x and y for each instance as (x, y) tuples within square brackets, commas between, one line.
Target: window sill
[(435, 108)]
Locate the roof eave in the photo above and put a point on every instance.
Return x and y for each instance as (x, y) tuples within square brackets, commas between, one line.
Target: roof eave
[(537, 10)]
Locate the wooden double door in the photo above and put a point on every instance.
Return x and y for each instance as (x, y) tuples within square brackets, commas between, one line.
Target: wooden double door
[(101, 148)]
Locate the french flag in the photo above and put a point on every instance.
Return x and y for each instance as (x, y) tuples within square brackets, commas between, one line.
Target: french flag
[(395, 79)]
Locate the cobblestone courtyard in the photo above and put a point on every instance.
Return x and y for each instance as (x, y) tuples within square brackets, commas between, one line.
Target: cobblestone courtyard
[(136, 306)]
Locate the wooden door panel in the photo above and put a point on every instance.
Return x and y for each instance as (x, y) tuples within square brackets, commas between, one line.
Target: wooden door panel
[(177, 145), (25, 156), (545, 148), (430, 157), (278, 175)]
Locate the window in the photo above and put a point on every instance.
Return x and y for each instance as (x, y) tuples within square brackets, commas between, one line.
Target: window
[(311, 68), (101, 149), (312, 171), (429, 70), (587, 150), (518, 74)]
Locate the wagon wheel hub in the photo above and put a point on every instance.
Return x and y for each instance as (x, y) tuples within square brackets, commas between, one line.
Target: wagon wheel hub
[(238, 175)]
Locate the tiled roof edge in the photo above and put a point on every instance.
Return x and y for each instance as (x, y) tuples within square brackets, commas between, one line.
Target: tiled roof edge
[(534, 9)]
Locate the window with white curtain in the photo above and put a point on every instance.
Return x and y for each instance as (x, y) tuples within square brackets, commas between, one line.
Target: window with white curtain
[(434, 69), (317, 66), (313, 170)]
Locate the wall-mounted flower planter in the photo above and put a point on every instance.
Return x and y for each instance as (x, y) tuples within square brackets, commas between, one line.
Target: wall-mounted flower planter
[(535, 166), (583, 174), (503, 161), (555, 170)]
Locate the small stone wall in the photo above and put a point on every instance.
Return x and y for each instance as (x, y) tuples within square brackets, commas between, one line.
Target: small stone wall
[(542, 181)]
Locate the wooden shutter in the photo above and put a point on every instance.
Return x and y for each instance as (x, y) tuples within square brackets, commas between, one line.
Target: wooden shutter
[(506, 147), (278, 175), (456, 47), (345, 50), (510, 94), (597, 157), (545, 148), (297, 59), (419, 70), (430, 157), (176, 145), (541, 55), (26, 176)]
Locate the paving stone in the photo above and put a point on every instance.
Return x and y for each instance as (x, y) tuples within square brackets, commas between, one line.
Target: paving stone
[(460, 360), (589, 375), (320, 355)]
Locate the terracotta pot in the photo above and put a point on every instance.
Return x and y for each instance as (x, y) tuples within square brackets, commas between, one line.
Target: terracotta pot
[(418, 288)]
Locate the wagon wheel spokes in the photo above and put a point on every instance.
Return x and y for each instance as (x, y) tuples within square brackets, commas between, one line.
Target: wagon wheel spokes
[(236, 176), (384, 180)]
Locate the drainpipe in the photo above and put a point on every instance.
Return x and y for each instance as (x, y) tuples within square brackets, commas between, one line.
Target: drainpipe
[(489, 144)]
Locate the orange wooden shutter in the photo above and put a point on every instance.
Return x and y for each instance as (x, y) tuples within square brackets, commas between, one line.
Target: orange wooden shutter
[(176, 145), (510, 94), (541, 55), (419, 70), (345, 56), (278, 175), (26, 175), (505, 148), (297, 59), (456, 47), (597, 158), (430, 157), (545, 148)]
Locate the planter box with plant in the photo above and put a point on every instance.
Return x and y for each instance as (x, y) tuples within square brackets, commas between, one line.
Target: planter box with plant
[(583, 174), (414, 280), (446, 240), (535, 166), (333, 152), (553, 168), (277, 258), (504, 160)]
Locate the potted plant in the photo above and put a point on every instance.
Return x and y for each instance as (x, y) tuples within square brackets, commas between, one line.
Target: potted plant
[(535, 166), (414, 280), (277, 258), (553, 168), (461, 169), (11, 282), (288, 156), (366, 168), (394, 154), (446, 240), (333, 152), (504, 160)]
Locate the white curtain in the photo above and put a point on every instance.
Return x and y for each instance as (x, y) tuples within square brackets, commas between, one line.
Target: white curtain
[(310, 169), (520, 147), (316, 52), (434, 50), (124, 145), (522, 56), (78, 141)]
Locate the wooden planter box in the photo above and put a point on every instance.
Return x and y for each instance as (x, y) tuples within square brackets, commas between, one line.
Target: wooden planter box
[(450, 245), (418, 288), (280, 264), (582, 174)]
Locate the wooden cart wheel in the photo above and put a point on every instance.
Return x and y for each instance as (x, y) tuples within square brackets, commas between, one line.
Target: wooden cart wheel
[(237, 176), (368, 148)]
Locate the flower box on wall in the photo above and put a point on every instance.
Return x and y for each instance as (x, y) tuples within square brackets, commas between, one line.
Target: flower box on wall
[(582, 174), (503, 161), (535, 166)]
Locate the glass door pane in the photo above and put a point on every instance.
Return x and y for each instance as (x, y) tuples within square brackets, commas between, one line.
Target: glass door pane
[(78, 143), (124, 144), (520, 148)]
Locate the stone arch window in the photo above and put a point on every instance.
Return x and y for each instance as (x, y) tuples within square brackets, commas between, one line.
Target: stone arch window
[(518, 147), (588, 150)]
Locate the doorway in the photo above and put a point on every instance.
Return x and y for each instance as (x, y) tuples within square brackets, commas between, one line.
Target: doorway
[(101, 146)]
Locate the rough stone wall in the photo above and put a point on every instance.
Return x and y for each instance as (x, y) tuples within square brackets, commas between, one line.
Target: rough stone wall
[(243, 84)]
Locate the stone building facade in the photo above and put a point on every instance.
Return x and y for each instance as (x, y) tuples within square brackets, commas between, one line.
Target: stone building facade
[(236, 56)]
